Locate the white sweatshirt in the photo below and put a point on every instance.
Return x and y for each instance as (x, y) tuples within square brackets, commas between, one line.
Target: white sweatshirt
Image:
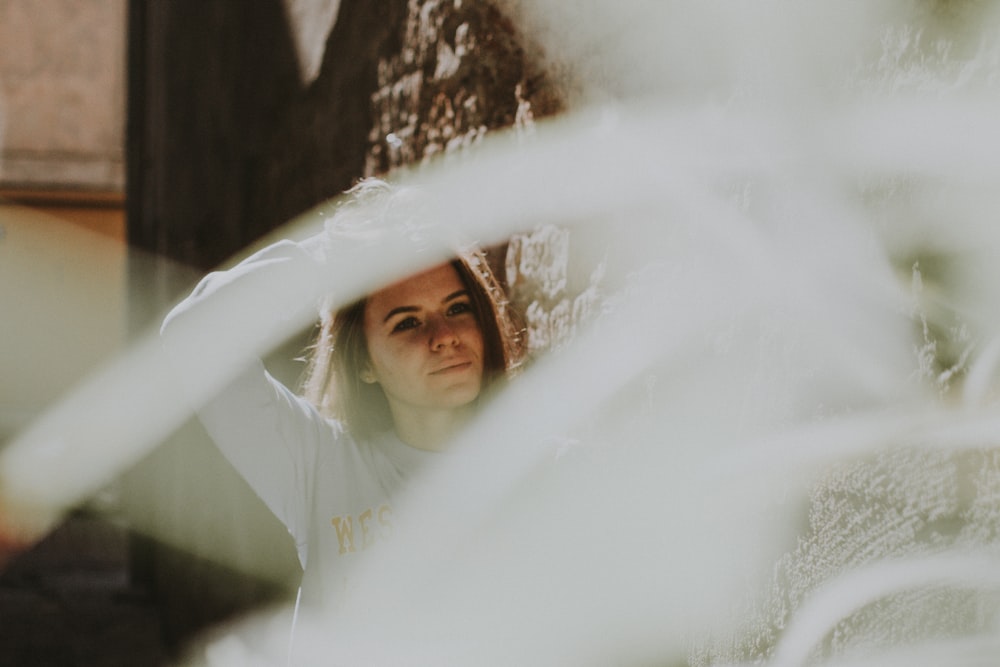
[(333, 493)]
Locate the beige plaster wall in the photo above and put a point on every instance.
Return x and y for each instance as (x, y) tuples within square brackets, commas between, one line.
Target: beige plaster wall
[(62, 93)]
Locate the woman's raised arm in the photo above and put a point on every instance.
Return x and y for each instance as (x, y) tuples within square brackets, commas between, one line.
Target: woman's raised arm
[(214, 339)]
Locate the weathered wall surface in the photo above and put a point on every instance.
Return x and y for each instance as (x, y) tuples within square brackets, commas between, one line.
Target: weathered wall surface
[(62, 94), (462, 71)]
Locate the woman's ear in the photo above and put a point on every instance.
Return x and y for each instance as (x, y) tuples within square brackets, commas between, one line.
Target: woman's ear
[(367, 375)]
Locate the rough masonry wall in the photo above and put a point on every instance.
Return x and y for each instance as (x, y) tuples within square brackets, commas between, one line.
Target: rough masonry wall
[(461, 72)]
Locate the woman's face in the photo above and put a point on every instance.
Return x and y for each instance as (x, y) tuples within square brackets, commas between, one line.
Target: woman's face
[(425, 346)]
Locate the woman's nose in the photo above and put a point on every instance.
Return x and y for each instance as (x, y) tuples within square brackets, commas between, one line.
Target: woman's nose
[(442, 334)]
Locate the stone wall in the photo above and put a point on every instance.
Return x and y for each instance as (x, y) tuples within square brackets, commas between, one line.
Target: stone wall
[(461, 72)]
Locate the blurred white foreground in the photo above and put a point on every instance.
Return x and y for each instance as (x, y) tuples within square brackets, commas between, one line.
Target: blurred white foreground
[(772, 436)]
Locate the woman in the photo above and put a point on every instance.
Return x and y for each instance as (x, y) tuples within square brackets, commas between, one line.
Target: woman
[(392, 378)]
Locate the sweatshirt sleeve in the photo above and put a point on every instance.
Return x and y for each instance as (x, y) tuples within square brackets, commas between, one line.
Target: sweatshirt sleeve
[(272, 438), (214, 340)]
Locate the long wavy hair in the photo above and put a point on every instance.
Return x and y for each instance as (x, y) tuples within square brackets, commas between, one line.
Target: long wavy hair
[(332, 380)]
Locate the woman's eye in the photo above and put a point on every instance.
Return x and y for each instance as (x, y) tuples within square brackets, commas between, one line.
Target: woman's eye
[(459, 308), (406, 323)]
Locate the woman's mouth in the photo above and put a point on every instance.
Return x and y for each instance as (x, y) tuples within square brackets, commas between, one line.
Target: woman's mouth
[(453, 367)]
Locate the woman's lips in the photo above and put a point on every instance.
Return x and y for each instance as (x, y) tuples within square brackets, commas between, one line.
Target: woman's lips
[(452, 367)]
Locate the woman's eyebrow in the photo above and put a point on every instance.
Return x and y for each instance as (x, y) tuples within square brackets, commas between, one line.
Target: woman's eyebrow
[(455, 295), (400, 309)]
